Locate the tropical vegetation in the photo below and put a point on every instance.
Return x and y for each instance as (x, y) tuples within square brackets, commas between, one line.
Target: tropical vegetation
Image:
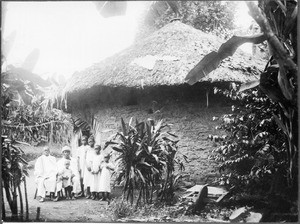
[(147, 158), (259, 150), (262, 146), (27, 117)]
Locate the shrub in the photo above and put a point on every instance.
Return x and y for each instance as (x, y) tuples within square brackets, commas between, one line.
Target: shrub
[(146, 161), (121, 209), (253, 153)]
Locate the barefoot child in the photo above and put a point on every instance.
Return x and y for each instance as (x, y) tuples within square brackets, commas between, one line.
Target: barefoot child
[(96, 162), (67, 176), (104, 185)]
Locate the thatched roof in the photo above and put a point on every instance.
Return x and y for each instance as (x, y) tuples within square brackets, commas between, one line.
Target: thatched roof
[(163, 58)]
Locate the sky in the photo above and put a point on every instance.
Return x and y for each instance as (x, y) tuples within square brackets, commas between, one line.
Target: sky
[(72, 35)]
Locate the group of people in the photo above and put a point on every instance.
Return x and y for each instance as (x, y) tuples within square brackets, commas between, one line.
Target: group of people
[(87, 174)]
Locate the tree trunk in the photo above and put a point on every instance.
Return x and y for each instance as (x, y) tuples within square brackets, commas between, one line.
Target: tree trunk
[(151, 193), (144, 194), (139, 198), (147, 193), (8, 196), (131, 196), (26, 200), (21, 203), (15, 202), (3, 207)]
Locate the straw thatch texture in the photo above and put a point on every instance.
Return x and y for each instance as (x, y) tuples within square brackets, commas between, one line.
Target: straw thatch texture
[(164, 58)]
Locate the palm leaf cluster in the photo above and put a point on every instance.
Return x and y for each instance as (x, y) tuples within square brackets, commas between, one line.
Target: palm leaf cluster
[(146, 161)]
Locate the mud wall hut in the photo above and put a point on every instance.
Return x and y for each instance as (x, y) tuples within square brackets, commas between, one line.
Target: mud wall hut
[(146, 81)]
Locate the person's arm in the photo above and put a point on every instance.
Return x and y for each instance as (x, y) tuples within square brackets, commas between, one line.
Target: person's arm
[(60, 167), (38, 168), (88, 162), (78, 164)]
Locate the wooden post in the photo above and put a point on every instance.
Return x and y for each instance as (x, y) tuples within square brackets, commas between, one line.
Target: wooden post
[(38, 212), (207, 93)]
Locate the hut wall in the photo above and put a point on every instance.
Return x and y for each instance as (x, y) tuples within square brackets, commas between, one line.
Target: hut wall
[(192, 122)]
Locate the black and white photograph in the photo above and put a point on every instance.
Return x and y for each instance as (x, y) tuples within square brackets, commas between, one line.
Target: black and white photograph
[(149, 111)]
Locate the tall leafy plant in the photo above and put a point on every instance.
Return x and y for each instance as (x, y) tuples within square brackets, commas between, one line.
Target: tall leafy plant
[(251, 153), (146, 161), (278, 22)]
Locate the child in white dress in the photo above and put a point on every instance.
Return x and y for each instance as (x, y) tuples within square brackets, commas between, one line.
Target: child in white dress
[(67, 176), (104, 184), (96, 162)]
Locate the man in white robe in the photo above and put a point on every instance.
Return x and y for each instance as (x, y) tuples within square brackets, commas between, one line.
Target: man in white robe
[(45, 171), (74, 166), (81, 156)]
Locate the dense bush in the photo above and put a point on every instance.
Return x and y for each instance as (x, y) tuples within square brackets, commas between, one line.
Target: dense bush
[(252, 154)]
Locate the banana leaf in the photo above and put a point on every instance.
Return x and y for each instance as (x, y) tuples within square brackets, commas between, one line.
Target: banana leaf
[(211, 61), (124, 129), (118, 149), (249, 85), (31, 60)]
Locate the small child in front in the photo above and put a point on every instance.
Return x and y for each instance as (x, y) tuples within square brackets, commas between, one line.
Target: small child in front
[(67, 176), (104, 184)]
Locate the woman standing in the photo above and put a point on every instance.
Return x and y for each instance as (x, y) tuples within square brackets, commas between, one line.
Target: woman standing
[(88, 176)]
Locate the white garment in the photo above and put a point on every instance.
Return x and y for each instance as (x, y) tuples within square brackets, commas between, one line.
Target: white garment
[(87, 178), (104, 182), (81, 155), (96, 162), (74, 168), (67, 178), (45, 171)]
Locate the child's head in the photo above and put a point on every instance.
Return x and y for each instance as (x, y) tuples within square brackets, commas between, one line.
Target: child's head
[(84, 140), (67, 164), (46, 151), (91, 141), (97, 149), (66, 151)]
